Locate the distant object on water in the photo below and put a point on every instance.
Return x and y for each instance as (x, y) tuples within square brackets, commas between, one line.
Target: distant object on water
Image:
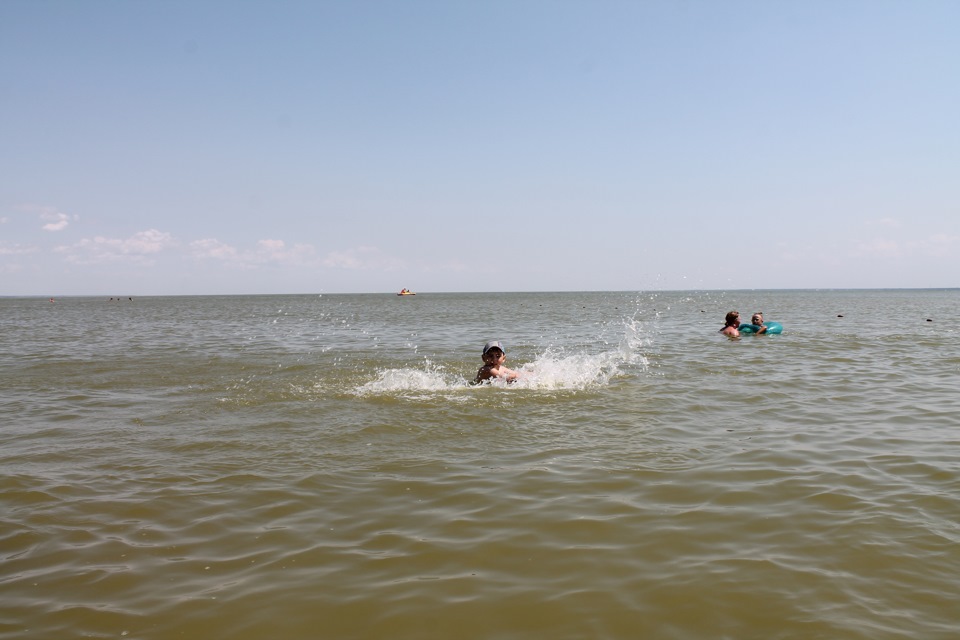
[(406, 292)]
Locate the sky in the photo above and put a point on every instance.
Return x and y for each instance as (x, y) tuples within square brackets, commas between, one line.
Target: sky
[(233, 147)]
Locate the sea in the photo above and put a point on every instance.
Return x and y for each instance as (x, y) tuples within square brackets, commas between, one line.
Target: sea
[(320, 466)]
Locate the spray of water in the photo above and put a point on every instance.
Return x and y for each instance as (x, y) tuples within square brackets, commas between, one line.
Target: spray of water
[(560, 368), (555, 368), (430, 378)]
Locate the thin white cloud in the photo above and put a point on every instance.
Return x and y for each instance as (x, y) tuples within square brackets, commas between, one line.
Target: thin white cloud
[(938, 245), (138, 248), (454, 265), (55, 219), (278, 251), (10, 268), (362, 258), (150, 241), (942, 245), (7, 249), (266, 252), (214, 249), (59, 222), (886, 223), (880, 247)]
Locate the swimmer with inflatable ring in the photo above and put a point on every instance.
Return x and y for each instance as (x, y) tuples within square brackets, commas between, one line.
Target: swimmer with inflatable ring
[(757, 321), (493, 358), (757, 326)]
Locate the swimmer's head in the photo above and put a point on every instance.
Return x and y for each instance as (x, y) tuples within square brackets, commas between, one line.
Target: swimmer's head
[(494, 344), (733, 318), (757, 318), (493, 352)]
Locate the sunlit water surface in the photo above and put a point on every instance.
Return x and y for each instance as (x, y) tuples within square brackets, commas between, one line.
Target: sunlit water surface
[(319, 466)]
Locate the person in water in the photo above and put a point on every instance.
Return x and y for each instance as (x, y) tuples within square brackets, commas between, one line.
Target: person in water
[(732, 321), (757, 319), (493, 358)]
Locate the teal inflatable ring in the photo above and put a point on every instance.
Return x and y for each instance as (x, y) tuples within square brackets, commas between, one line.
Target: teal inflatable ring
[(772, 327)]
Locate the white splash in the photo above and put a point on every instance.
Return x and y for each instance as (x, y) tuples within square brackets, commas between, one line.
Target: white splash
[(430, 378), (556, 368)]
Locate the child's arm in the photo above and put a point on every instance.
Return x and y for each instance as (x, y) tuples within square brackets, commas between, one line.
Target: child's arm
[(487, 371), (508, 374)]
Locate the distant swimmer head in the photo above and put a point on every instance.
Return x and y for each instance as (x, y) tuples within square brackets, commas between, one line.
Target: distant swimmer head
[(733, 318), (494, 344)]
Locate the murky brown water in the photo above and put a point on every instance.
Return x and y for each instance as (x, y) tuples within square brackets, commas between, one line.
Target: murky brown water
[(318, 467)]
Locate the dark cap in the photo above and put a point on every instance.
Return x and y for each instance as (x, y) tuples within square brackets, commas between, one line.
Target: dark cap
[(493, 344)]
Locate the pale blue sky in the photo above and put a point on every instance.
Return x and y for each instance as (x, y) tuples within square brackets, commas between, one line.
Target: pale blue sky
[(204, 147)]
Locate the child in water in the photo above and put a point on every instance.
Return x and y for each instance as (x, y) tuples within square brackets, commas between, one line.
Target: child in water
[(757, 319), (493, 358)]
